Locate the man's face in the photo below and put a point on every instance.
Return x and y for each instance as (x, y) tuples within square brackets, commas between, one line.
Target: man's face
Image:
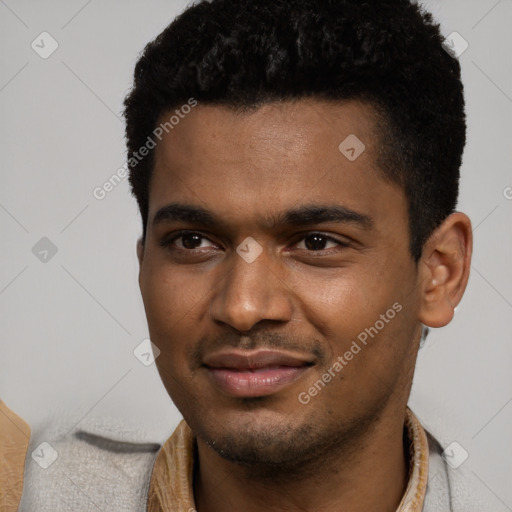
[(250, 331)]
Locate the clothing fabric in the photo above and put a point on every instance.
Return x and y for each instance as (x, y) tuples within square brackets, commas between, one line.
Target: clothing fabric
[(14, 440), (104, 468)]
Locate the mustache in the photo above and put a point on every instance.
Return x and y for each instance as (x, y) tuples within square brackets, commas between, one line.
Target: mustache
[(257, 340)]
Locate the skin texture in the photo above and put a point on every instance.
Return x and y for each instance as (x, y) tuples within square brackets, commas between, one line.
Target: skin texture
[(343, 450)]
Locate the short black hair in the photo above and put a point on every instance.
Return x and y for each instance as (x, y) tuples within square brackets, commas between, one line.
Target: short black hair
[(245, 53)]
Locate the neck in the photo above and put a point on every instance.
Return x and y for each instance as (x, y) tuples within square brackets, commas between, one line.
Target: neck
[(370, 476)]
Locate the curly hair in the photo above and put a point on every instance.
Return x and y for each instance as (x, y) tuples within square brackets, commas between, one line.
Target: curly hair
[(245, 53)]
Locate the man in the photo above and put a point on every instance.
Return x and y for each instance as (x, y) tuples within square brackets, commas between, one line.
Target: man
[(296, 165)]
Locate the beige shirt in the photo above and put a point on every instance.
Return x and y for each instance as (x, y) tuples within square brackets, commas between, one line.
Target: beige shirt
[(171, 485)]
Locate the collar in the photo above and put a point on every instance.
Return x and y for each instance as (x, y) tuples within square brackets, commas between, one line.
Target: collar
[(171, 485)]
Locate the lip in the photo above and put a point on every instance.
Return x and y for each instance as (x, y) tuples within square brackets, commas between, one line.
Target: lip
[(247, 374)]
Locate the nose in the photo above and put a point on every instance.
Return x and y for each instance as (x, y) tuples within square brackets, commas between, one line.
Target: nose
[(250, 293)]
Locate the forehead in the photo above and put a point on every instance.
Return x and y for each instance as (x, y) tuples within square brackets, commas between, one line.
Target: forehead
[(276, 156), (301, 132)]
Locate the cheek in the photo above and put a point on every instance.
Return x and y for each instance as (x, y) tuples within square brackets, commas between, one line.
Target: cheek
[(169, 294), (170, 308), (345, 303), (174, 306), (366, 307)]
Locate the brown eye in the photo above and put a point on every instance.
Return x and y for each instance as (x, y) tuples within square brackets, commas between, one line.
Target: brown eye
[(187, 240), (318, 242), (191, 240)]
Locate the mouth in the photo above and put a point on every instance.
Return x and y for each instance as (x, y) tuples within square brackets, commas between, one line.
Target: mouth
[(245, 374)]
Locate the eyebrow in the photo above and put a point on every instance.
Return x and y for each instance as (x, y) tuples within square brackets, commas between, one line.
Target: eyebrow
[(302, 216)]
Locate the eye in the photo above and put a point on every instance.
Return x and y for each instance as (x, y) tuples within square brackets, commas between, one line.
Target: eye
[(188, 241), (192, 241), (318, 242)]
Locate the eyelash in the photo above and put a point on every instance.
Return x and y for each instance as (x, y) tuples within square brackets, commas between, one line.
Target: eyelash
[(167, 242)]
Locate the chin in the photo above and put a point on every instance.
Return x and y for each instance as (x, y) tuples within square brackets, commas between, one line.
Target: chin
[(259, 447), (259, 439)]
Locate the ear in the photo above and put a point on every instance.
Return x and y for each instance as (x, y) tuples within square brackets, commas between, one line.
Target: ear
[(444, 270)]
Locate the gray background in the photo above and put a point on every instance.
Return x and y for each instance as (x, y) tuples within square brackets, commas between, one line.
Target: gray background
[(70, 324)]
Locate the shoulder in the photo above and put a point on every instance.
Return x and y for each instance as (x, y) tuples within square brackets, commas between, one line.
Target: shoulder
[(103, 466), (452, 486)]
